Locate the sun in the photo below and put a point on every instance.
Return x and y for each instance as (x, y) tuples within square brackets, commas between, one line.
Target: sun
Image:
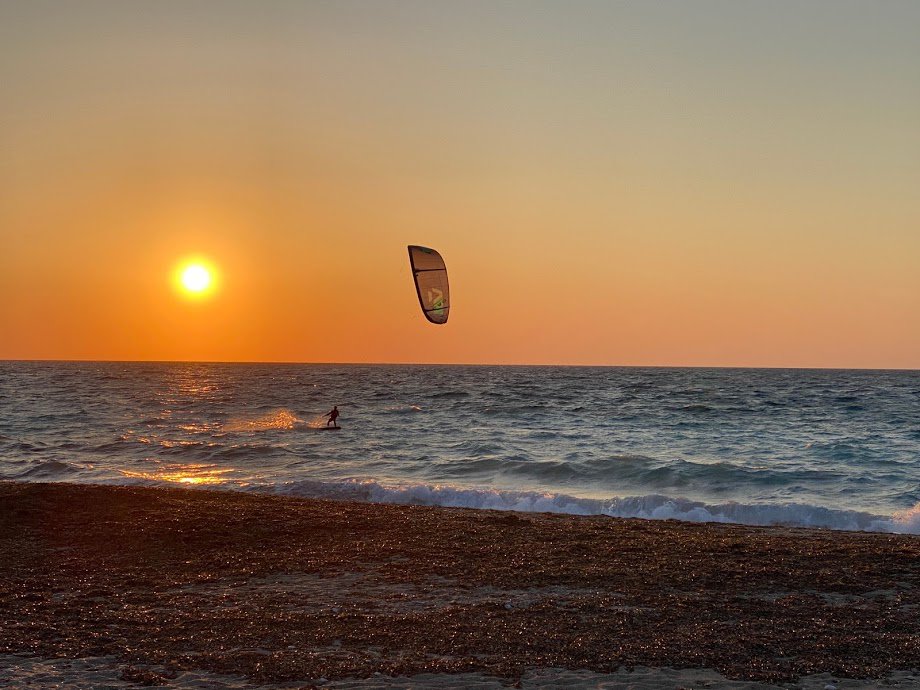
[(195, 278)]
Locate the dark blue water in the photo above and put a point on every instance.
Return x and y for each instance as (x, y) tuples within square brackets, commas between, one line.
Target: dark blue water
[(837, 449)]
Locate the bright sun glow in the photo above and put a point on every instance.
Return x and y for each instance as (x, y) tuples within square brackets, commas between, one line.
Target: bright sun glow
[(196, 278)]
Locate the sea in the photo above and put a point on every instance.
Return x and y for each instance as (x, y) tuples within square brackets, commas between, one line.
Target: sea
[(837, 449)]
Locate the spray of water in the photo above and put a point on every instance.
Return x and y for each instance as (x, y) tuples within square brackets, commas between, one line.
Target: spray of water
[(278, 419)]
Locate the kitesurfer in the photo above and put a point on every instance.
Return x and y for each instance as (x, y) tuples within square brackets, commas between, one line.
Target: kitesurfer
[(333, 416)]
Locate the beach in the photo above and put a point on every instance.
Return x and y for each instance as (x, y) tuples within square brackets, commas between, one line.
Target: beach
[(164, 583)]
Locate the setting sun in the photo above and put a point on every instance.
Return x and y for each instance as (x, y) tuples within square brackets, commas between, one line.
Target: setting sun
[(195, 278)]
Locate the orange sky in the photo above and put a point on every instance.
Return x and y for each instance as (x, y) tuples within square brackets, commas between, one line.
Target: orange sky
[(715, 184)]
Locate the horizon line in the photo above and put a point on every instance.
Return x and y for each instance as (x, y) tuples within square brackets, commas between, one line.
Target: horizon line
[(455, 364)]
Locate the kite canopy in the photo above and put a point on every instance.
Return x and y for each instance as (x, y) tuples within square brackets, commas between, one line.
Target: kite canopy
[(430, 275)]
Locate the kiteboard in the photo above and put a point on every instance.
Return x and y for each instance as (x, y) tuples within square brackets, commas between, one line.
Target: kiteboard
[(329, 428)]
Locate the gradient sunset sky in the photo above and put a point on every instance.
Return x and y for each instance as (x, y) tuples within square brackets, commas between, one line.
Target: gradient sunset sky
[(654, 183)]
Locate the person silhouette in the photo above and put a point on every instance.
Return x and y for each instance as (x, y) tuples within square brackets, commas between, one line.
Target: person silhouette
[(333, 416)]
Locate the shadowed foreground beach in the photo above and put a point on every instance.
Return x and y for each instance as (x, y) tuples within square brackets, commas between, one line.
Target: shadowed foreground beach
[(164, 582)]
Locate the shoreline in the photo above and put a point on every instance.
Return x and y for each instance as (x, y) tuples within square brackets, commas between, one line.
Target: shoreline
[(654, 506), (282, 589)]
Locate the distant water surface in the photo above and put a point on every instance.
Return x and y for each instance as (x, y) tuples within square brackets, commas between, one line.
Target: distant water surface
[(838, 449)]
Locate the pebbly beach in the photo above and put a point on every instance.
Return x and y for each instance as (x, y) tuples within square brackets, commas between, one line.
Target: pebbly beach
[(277, 589)]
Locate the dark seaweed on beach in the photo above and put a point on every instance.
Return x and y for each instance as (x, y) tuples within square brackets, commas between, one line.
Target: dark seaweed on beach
[(293, 589)]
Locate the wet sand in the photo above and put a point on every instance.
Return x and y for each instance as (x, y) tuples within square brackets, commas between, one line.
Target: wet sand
[(165, 584)]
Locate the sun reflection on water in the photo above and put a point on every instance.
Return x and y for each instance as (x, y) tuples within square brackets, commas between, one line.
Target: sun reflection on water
[(184, 474)]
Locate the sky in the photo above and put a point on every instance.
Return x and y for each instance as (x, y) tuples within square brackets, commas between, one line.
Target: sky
[(705, 183)]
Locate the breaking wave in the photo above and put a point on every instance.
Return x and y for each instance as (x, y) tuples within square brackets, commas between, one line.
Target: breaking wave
[(649, 507)]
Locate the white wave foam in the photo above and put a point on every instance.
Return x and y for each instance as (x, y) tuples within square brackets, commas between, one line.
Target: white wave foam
[(907, 521), (651, 507), (648, 507)]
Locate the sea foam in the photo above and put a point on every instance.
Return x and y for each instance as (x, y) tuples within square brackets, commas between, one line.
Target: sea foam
[(650, 507)]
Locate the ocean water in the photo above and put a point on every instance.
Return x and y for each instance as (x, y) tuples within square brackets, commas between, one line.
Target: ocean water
[(834, 449)]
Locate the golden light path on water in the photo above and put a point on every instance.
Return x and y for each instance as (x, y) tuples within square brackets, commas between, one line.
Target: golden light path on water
[(203, 385), (186, 384), (183, 474)]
